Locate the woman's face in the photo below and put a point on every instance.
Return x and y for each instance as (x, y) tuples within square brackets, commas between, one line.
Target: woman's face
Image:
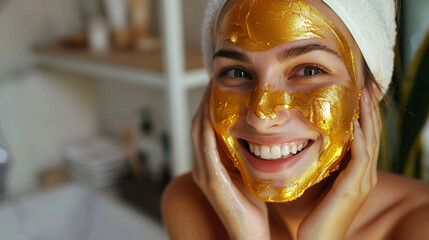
[(285, 93)]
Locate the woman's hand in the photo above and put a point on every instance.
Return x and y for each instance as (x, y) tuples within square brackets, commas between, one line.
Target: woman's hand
[(332, 217), (243, 216)]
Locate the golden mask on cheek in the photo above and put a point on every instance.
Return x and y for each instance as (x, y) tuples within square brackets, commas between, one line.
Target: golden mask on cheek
[(258, 25)]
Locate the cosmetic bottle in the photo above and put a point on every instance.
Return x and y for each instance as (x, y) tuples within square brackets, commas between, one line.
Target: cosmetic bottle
[(117, 12), (151, 150), (98, 35)]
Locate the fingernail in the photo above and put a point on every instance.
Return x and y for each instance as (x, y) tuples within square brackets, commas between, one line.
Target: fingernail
[(356, 123), (365, 95)]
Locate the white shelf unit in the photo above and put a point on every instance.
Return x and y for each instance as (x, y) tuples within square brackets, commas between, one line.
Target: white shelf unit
[(174, 79)]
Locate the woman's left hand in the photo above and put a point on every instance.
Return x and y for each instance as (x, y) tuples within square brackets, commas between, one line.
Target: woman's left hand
[(332, 217)]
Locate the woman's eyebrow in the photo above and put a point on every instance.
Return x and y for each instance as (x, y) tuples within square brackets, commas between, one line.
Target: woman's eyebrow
[(232, 55), (303, 49), (282, 56)]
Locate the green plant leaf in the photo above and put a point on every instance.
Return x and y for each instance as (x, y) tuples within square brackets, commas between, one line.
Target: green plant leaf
[(417, 106)]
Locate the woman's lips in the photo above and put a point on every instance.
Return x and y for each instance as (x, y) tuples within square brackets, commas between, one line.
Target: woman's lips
[(272, 165)]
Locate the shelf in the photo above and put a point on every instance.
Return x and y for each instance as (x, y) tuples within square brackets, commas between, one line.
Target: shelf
[(144, 68), (175, 71)]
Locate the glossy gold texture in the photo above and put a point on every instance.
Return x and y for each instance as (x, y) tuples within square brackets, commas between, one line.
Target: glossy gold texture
[(259, 25), (325, 110)]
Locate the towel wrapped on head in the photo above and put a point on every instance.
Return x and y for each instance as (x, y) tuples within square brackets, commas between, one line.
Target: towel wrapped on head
[(371, 23)]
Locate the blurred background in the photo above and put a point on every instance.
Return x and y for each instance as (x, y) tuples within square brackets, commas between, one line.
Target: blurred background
[(96, 100)]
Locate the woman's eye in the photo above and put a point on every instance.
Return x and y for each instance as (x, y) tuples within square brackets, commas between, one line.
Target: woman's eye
[(234, 77), (309, 71), (236, 73)]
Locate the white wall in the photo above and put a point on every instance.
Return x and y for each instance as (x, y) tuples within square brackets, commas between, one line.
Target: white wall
[(39, 111), (24, 23)]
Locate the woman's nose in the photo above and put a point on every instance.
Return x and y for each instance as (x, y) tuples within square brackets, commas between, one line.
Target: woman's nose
[(268, 124), (266, 111)]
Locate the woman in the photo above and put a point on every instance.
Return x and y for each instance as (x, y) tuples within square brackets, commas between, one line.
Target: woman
[(286, 138)]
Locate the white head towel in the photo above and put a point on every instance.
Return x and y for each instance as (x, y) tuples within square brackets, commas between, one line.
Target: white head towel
[(371, 23)]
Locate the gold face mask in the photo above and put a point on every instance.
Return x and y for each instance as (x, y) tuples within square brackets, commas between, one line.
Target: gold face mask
[(258, 25)]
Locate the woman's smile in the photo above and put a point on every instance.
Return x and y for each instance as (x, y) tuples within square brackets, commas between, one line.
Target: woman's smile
[(277, 157), (275, 152)]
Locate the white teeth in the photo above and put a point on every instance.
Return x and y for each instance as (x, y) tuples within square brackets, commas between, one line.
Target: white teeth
[(305, 144), (278, 151), (265, 152), (257, 151), (285, 150), (275, 152), (251, 147), (293, 149)]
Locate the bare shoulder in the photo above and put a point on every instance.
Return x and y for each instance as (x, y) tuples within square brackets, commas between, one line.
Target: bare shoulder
[(187, 213), (401, 189), (397, 187), (397, 208), (412, 204)]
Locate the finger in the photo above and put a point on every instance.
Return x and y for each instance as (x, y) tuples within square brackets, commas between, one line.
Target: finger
[(210, 145), (370, 177), (347, 189), (208, 161), (231, 186), (199, 172), (367, 120), (374, 140), (376, 96), (204, 101), (369, 132), (375, 111), (206, 95), (375, 102), (213, 162), (353, 174), (376, 120)]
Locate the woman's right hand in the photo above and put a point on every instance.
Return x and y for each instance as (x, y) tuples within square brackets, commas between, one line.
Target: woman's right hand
[(243, 216)]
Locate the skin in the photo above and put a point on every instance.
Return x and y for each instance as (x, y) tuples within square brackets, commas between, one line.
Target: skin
[(355, 202)]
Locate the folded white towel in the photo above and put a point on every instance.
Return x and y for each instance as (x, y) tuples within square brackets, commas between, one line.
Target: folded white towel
[(373, 26), (371, 22), (208, 32)]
